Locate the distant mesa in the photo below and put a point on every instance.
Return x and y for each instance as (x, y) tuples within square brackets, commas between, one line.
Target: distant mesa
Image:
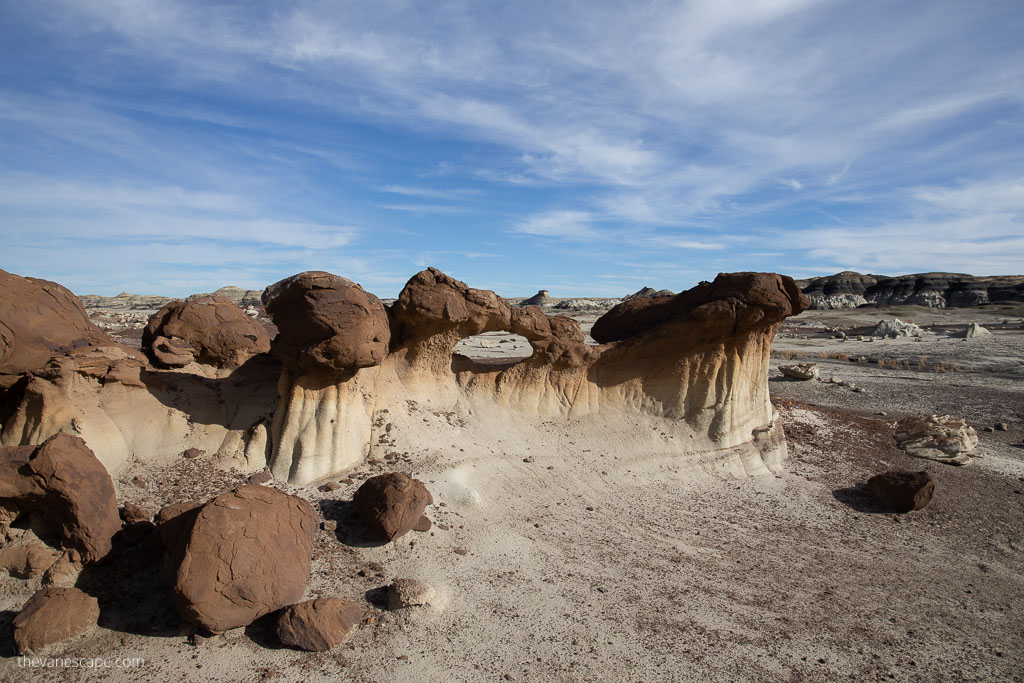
[(936, 290), (541, 298)]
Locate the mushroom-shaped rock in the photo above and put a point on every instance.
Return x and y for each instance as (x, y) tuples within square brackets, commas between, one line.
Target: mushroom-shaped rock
[(38, 320), (433, 303), (903, 491), (246, 554), (733, 304), (391, 504), (64, 481), (52, 615), (318, 625), (217, 331), (326, 322)]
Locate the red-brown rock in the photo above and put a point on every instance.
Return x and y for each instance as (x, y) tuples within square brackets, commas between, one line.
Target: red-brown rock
[(903, 491), (64, 481), (216, 331), (432, 303), (318, 625), (38, 320), (247, 554), (712, 311), (391, 504), (557, 340), (326, 322), (52, 615)]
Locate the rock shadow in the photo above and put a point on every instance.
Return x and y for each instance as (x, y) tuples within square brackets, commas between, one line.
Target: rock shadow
[(134, 590), (247, 397), (351, 530), (263, 632), (7, 648), (378, 597), (861, 499)]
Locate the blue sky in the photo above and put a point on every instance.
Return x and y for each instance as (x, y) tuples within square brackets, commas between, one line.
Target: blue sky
[(166, 146)]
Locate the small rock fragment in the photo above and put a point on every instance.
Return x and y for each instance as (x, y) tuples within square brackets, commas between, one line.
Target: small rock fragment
[(410, 593), (318, 625), (261, 477), (801, 371)]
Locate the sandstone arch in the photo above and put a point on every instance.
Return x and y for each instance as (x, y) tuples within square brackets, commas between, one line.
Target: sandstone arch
[(694, 365)]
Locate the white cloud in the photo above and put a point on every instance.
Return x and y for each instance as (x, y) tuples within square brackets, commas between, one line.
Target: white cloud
[(563, 224)]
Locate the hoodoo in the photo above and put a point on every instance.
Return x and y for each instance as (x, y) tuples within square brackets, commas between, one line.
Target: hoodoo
[(695, 364)]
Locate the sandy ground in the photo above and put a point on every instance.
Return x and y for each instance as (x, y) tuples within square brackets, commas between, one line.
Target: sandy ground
[(611, 557)]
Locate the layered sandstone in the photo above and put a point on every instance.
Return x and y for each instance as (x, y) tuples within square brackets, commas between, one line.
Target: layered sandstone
[(694, 365)]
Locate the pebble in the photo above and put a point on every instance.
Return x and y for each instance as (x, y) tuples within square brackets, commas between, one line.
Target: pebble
[(329, 525), (330, 486), (461, 551), (1002, 426)]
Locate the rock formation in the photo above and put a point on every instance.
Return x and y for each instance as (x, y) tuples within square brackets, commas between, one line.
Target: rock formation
[(938, 290), (38, 320), (210, 330), (975, 330), (801, 371), (937, 437), (896, 328), (695, 363), (246, 553), (327, 323)]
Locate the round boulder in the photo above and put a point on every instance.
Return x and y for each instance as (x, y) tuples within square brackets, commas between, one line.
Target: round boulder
[(210, 329), (391, 504), (247, 554), (39, 320), (326, 322), (63, 480), (52, 615)]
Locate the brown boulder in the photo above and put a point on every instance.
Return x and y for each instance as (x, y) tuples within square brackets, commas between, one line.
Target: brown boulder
[(391, 504), (558, 340), (247, 554), (326, 322), (52, 615), (903, 491), (64, 481), (211, 328), (38, 320), (318, 625), (432, 303), (710, 312)]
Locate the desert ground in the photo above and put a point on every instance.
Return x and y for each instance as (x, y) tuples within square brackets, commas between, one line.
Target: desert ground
[(566, 550)]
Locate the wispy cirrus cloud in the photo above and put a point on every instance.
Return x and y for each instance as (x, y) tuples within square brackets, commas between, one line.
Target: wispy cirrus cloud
[(686, 126)]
